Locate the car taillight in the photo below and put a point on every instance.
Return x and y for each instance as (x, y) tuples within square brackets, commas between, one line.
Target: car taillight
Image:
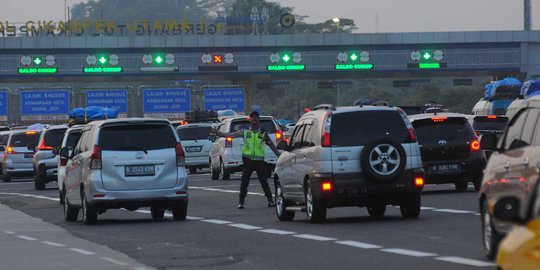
[(477, 133), (279, 135), (95, 158), (43, 146), (325, 134), (326, 185), (180, 155), (228, 141), (412, 135), (439, 119), (475, 145), (11, 151), (418, 181), (410, 128)]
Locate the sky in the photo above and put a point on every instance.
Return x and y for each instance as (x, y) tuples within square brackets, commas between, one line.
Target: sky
[(369, 15)]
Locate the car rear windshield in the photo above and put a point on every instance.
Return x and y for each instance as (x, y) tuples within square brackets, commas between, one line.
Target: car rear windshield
[(450, 129), (193, 133), (54, 137), (132, 137), (24, 139), (267, 125), (485, 123), (4, 139), (363, 127)]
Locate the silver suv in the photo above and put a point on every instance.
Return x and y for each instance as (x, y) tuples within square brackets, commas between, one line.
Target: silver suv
[(17, 158), (349, 156), (126, 163), (194, 138), (45, 162)]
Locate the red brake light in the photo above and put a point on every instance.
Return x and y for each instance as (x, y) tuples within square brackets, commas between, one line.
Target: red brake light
[(180, 155), (42, 145), (492, 117), (10, 150), (228, 141), (95, 158), (325, 136), (279, 135), (477, 133), (418, 181), (475, 145), (326, 185), (30, 133), (412, 135), (439, 118)]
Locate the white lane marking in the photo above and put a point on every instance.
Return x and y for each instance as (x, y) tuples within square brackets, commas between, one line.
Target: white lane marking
[(114, 261), (454, 211), (82, 251), (408, 252), (426, 208), (245, 226), (465, 261), (27, 237), (9, 232), (278, 232), (194, 218), (216, 221), (143, 211), (476, 214), (357, 244), (54, 244), (31, 195), (314, 237)]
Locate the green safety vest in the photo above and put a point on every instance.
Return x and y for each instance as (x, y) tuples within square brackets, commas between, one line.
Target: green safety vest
[(253, 147)]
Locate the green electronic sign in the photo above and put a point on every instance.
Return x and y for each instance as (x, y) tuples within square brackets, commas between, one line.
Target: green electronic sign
[(429, 65), (354, 66), (32, 71), (102, 69), (285, 67)]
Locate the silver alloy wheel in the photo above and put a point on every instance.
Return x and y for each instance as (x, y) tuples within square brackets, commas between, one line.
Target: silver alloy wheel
[(279, 201), (384, 162), (309, 203), (487, 231)]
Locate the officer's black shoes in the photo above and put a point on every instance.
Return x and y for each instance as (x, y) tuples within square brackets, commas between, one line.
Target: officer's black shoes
[(271, 204), (241, 206)]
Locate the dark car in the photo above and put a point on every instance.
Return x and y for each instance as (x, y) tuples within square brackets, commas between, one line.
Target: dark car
[(450, 149), (494, 124)]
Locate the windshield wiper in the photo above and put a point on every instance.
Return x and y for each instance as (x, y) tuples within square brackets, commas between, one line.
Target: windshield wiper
[(130, 148)]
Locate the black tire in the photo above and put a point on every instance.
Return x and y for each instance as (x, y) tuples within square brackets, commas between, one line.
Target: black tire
[(281, 205), (70, 212), (490, 237), (387, 152), (157, 212), (224, 173), (461, 186), (214, 174), (6, 177), (179, 210), (192, 170), (89, 213), (39, 182), (376, 210), (315, 209), (410, 206), (62, 196)]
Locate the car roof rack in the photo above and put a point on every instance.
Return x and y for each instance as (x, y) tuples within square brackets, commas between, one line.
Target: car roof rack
[(329, 107), (381, 103)]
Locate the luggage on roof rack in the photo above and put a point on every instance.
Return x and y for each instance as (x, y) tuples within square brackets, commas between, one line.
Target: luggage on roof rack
[(85, 115), (201, 116)]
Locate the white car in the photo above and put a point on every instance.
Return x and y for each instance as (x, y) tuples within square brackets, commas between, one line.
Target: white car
[(71, 136), (226, 153), (194, 138)]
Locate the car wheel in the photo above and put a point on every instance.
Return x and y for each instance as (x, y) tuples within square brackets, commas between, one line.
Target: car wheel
[(179, 210), (192, 170), (410, 206), (281, 206), (315, 209), (157, 212), (461, 186), (490, 236), (70, 212), (383, 160), (224, 173), (62, 196), (214, 174), (89, 213), (6, 177), (39, 182), (376, 210)]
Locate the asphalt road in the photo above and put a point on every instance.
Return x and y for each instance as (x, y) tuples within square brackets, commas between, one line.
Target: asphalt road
[(447, 235)]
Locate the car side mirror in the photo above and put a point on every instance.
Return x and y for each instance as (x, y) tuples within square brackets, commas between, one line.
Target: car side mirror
[(31, 147), (282, 145), (64, 153), (2, 148), (489, 142), (507, 209), (56, 150)]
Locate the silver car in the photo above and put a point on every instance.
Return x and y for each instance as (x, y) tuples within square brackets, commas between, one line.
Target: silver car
[(71, 137), (45, 162), (17, 158), (4, 136), (126, 163), (194, 138)]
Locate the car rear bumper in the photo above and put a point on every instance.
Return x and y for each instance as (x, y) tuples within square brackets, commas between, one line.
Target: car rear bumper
[(355, 189), (105, 197), (200, 162)]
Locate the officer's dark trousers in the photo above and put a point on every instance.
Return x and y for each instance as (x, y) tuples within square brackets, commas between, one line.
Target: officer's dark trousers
[(260, 167)]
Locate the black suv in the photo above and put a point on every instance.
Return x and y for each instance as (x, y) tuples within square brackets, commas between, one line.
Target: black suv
[(450, 149)]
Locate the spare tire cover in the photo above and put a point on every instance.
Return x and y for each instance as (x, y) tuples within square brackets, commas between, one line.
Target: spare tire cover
[(383, 160)]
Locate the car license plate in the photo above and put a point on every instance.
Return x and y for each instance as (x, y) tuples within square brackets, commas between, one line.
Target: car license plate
[(28, 155), (140, 170), (193, 148), (445, 168)]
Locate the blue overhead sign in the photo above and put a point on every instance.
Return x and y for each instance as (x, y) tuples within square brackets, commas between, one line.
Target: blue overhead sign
[(3, 105), (110, 98), (45, 102), (157, 100), (224, 98)]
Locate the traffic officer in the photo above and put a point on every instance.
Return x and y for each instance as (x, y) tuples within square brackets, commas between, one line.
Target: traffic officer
[(255, 139)]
